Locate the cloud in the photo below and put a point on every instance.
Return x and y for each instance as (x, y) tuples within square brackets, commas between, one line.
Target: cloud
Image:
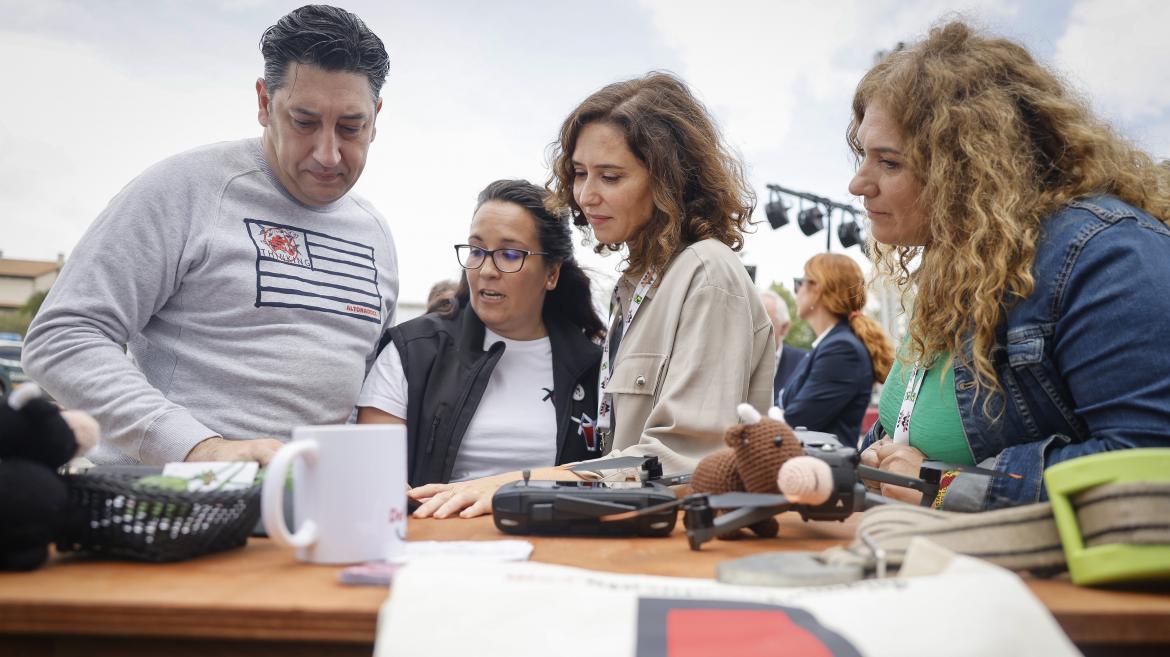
[(72, 141), (757, 62), (755, 66), (1117, 51)]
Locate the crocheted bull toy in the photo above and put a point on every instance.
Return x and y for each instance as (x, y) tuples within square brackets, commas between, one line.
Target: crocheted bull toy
[(751, 461), (36, 438)]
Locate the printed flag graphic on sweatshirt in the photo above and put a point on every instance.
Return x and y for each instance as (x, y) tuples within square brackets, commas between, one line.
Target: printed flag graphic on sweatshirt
[(306, 269)]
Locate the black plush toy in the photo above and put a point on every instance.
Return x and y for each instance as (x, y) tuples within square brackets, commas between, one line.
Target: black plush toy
[(36, 438)]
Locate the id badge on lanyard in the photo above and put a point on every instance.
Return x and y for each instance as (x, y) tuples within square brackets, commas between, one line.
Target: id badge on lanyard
[(605, 407), (913, 385)]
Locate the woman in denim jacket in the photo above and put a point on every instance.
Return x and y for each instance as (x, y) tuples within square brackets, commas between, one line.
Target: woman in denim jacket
[(1036, 242)]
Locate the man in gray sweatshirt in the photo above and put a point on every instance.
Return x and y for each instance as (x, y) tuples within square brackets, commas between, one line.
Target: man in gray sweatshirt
[(248, 287)]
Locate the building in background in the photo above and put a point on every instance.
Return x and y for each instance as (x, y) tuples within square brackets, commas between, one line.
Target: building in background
[(20, 279)]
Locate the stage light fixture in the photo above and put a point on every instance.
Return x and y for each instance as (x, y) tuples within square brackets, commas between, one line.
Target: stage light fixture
[(849, 233), (810, 220), (777, 212), (814, 214)]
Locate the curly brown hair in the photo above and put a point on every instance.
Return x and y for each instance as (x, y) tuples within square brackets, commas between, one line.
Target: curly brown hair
[(998, 143), (842, 286), (699, 188)]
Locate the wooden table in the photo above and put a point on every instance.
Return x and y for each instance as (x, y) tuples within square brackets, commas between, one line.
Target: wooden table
[(259, 600)]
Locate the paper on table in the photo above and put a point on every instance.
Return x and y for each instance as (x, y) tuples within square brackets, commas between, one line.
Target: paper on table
[(502, 550), (380, 573)]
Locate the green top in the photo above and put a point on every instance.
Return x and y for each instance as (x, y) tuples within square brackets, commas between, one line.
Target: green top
[(936, 429)]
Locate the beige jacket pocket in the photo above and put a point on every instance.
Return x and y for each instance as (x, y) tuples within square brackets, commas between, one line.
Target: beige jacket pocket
[(637, 374)]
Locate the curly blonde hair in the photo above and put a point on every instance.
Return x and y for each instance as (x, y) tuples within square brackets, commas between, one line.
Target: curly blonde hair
[(698, 187), (998, 143), (842, 287)]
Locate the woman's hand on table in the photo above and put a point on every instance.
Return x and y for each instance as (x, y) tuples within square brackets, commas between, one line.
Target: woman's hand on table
[(899, 459), (869, 458), (466, 498), (471, 498)]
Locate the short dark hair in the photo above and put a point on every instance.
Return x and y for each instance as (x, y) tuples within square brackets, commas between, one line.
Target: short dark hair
[(572, 299), (330, 38)]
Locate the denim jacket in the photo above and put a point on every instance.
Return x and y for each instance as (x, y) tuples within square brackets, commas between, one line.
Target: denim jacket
[(1084, 361)]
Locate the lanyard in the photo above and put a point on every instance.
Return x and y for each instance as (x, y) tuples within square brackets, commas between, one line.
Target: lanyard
[(913, 385), (605, 410)]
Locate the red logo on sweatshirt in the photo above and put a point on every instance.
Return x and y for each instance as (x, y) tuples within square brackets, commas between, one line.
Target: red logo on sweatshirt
[(281, 241)]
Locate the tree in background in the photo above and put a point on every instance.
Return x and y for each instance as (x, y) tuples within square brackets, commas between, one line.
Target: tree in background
[(800, 334), (33, 305), (17, 322), (14, 322)]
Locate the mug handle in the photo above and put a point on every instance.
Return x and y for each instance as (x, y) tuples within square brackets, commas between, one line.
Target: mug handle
[(272, 496)]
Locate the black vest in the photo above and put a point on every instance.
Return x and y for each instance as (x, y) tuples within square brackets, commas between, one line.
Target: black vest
[(447, 371)]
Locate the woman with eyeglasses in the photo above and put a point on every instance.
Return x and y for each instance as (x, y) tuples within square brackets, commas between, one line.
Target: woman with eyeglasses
[(1035, 242), (505, 377), (642, 165), (830, 389)]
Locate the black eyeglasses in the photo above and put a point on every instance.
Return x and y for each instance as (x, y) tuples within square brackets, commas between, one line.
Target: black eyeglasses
[(796, 283), (507, 261)]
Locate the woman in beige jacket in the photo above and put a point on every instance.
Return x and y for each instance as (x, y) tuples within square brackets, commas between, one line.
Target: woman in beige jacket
[(641, 164)]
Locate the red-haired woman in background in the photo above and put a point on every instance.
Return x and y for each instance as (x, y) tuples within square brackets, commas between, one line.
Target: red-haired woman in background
[(830, 389)]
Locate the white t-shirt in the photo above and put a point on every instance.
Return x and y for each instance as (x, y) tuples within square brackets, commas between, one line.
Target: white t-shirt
[(515, 424)]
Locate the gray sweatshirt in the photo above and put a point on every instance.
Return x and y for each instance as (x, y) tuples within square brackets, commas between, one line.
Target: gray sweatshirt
[(244, 312)]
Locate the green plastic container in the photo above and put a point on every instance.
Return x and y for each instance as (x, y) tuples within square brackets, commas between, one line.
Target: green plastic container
[(1113, 563)]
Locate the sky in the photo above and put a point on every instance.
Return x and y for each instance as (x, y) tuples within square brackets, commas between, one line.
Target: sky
[(95, 92)]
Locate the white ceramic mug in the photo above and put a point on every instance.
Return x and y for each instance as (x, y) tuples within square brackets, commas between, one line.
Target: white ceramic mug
[(349, 492)]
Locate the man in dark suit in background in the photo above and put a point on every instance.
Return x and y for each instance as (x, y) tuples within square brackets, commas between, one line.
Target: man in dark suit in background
[(787, 357)]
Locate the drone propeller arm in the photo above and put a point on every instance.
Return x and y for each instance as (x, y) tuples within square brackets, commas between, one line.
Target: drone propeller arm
[(731, 521), (928, 487), (749, 515), (882, 477)]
